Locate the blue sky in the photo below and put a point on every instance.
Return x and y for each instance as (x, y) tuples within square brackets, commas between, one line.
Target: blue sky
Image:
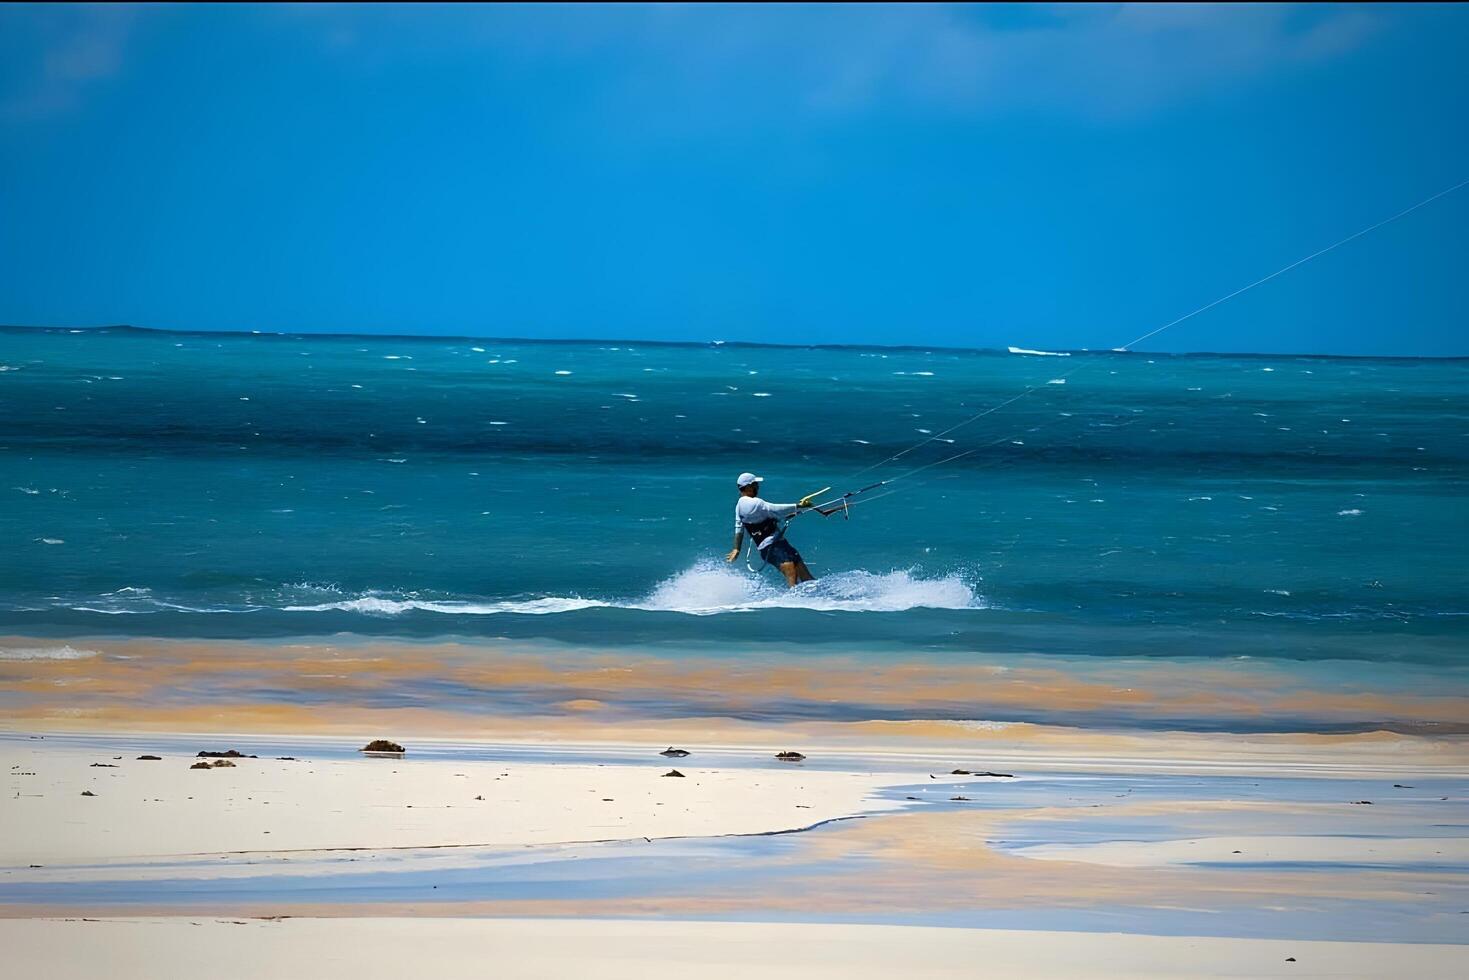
[(1044, 176)]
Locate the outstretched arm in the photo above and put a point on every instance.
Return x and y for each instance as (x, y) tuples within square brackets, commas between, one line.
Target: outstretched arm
[(739, 540)]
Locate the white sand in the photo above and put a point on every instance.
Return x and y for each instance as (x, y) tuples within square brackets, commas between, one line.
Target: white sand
[(1379, 851), (155, 809), (326, 949)]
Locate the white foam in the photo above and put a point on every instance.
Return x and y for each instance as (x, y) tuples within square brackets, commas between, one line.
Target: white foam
[(714, 587), (706, 589), (46, 653), (1349, 513), (1038, 353), (381, 606)]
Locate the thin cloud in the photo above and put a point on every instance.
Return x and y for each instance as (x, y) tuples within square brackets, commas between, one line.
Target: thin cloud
[(65, 49), (1090, 60), (1096, 61), (798, 62)]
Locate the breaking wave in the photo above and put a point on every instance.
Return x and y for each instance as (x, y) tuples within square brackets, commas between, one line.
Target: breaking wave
[(708, 588), (714, 587), (705, 589)]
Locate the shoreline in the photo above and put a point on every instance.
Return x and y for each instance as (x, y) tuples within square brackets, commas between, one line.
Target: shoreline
[(499, 689)]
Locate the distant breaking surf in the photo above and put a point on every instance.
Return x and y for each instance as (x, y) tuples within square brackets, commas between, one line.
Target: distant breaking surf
[(1039, 353)]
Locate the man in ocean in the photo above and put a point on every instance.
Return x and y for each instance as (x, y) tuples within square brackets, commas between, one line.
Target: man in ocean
[(763, 521)]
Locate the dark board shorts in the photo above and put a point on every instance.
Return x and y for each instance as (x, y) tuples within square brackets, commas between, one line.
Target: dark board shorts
[(779, 552)]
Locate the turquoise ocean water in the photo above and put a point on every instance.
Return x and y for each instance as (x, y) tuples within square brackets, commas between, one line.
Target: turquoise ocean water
[(190, 484)]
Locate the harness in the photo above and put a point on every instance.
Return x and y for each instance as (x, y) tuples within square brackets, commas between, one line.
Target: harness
[(761, 531)]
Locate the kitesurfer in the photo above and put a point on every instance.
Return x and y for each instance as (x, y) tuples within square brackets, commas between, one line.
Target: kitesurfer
[(765, 523)]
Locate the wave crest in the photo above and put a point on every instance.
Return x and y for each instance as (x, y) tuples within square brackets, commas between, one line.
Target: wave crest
[(707, 588)]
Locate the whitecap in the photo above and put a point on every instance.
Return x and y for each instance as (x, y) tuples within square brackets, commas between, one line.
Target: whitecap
[(759, 394), (1038, 353), (27, 490), (51, 540), (563, 373), (1348, 513), (1056, 381)]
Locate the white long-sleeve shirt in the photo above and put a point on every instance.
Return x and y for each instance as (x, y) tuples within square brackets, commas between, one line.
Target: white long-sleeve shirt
[(753, 510)]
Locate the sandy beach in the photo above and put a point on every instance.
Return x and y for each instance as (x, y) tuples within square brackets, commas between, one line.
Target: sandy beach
[(1088, 854), (356, 948), (142, 809)]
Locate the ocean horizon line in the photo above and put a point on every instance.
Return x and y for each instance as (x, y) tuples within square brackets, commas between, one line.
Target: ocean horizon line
[(113, 328)]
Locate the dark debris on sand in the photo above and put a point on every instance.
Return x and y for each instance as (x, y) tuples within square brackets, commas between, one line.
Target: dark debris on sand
[(673, 772), (383, 745), (228, 754)]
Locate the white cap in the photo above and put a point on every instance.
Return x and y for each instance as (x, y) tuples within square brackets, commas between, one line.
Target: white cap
[(746, 479)]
